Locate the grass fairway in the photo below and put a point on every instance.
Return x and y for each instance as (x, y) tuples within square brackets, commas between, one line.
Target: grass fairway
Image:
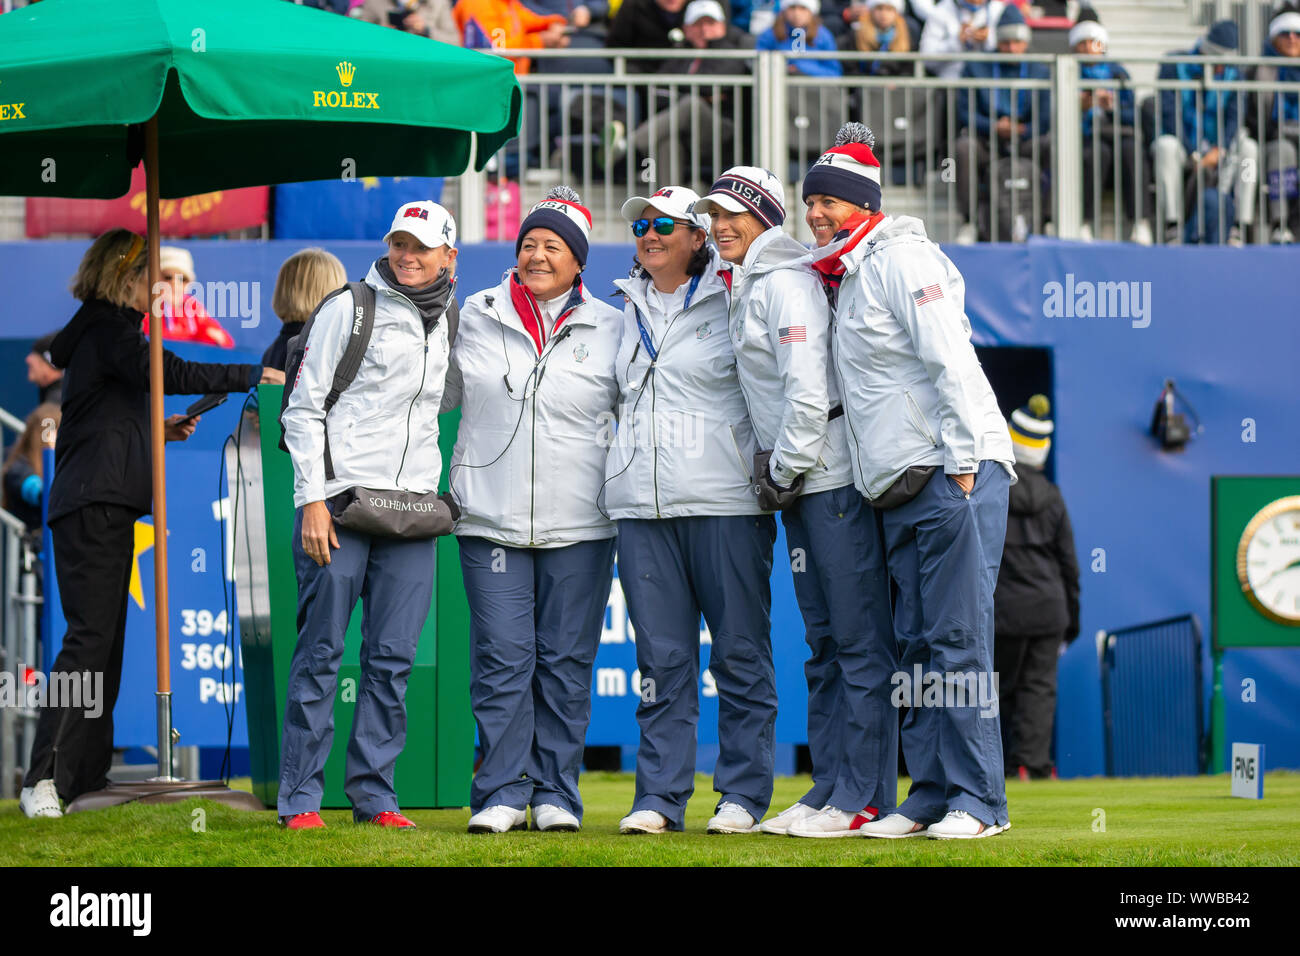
[(1185, 821)]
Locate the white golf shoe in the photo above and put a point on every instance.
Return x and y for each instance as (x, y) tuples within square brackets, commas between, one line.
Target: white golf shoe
[(550, 817), (832, 822), (41, 800), (643, 821), (732, 818), (893, 827), (780, 824), (498, 819), (960, 825)]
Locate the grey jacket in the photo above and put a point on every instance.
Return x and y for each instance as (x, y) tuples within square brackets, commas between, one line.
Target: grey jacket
[(914, 391), (780, 330)]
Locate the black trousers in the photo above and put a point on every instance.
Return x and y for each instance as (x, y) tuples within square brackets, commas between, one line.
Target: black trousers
[(93, 549), (1103, 157), (1026, 669)]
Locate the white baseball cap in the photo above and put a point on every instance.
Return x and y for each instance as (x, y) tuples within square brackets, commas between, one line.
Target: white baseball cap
[(814, 6), (427, 221), (749, 189), (672, 201), (699, 9)]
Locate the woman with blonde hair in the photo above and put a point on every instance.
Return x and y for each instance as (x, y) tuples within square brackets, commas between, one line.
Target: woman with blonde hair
[(305, 278), (101, 485), (879, 27)]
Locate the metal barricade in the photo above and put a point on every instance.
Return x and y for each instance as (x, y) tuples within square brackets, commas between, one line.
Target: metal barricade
[(20, 648), (1087, 161), (610, 135), (1171, 164), (19, 639), (1153, 698)]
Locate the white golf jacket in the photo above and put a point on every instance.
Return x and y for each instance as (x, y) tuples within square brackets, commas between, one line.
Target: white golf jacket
[(383, 430), (684, 445), (535, 428)]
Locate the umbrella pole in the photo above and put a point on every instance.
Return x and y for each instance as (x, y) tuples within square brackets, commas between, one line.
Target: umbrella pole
[(165, 788), (158, 440)]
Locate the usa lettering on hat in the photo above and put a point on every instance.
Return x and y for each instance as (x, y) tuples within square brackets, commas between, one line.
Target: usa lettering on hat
[(849, 170), (563, 213), (749, 189), (429, 222)]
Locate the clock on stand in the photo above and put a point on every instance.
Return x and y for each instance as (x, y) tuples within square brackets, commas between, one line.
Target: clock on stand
[(1255, 575)]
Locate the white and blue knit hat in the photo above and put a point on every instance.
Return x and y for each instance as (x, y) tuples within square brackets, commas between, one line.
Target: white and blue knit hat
[(1031, 432)]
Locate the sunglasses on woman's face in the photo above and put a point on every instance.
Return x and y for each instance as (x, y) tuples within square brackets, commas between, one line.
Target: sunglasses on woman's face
[(662, 225)]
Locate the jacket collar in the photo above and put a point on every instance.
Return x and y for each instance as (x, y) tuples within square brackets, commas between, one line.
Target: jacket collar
[(887, 232), (637, 288), (501, 304)]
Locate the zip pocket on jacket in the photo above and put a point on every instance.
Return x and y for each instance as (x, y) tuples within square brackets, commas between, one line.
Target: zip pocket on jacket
[(918, 419), (744, 467)]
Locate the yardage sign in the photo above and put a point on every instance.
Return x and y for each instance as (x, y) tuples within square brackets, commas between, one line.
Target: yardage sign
[(1248, 771)]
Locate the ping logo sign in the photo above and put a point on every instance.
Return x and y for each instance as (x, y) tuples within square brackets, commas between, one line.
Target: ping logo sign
[(1248, 771)]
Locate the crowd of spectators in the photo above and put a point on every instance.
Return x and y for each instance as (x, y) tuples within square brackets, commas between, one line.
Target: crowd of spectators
[(1199, 148)]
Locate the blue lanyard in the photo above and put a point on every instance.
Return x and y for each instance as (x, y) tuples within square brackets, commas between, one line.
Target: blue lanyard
[(640, 326), (645, 338)]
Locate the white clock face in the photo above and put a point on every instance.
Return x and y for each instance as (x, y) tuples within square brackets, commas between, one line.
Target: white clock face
[(1268, 560)]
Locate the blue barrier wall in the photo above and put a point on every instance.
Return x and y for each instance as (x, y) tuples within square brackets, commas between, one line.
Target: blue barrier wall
[(1215, 319)]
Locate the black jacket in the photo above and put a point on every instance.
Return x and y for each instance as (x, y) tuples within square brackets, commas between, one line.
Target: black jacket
[(102, 452), (1038, 586), (277, 353), (734, 39), (643, 24), (14, 476)]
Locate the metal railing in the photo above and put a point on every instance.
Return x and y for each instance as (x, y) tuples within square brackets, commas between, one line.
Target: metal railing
[(617, 133), (20, 649), (20, 637)]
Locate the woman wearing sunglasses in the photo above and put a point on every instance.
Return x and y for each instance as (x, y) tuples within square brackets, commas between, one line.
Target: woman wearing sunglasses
[(692, 538), (532, 371)]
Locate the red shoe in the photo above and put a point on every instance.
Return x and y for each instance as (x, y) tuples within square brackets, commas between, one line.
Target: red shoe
[(1023, 773), (389, 818), (866, 816), (303, 821)]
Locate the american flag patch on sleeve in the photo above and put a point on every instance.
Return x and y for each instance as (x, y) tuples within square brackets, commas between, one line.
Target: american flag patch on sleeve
[(928, 294), (792, 333)]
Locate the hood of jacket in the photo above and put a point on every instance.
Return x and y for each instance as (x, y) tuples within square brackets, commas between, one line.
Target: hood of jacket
[(772, 250), (890, 231), (91, 312)]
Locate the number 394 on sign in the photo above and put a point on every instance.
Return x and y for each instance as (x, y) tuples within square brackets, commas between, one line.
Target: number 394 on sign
[(202, 623)]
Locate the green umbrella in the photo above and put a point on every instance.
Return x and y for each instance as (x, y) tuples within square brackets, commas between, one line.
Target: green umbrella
[(216, 95), (246, 92)]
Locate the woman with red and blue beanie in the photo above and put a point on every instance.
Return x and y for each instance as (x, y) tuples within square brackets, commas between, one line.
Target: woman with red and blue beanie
[(930, 452), (532, 371)]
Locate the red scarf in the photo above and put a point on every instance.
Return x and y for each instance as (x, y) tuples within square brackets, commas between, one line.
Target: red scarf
[(851, 232), (530, 312)]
